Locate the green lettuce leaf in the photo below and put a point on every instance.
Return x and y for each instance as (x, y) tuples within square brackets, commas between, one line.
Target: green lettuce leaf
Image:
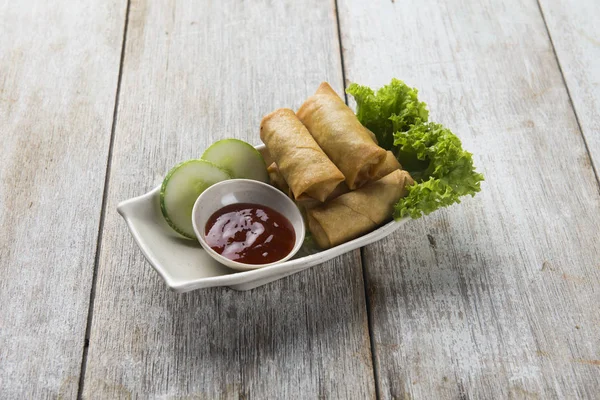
[(395, 107), (443, 171)]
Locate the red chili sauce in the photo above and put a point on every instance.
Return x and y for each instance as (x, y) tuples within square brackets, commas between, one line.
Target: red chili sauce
[(250, 233)]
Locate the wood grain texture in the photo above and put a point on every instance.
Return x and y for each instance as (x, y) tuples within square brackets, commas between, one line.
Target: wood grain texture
[(497, 297), (575, 33), (59, 66), (194, 74)]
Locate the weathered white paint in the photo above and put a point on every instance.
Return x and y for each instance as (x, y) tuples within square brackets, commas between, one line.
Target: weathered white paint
[(575, 33), (59, 64), (496, 297)]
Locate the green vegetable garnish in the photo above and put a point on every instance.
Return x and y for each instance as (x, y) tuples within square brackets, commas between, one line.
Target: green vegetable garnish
[(395, 107), (431, 153), (449, 171)]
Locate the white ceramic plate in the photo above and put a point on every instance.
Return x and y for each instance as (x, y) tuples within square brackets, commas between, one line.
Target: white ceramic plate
[(185, 266)]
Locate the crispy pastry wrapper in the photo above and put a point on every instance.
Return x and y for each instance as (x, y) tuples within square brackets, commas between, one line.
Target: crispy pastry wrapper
[(350, 146), (277, 180), (389, 164), (302, 163), (358, 212)]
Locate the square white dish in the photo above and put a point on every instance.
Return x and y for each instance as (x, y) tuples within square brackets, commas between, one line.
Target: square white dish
[(185, 266)]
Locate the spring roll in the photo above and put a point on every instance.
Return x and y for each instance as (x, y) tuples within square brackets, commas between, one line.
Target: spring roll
[(308, 202), (356, 213), (350, 146), (304, 166), (388, 165), (277, 179)]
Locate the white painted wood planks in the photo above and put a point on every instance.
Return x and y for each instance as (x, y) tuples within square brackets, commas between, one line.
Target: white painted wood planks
[(494, 297), (59, 65)]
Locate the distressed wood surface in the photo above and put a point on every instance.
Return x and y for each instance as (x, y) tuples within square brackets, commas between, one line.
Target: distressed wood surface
[(575, 33), (193, 74), (59, 65), (496, 297)]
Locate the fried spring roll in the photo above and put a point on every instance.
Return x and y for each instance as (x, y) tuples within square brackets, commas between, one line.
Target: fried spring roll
[(350, 146), (389, 164), (356, 213), (302, 163), (277, 179)]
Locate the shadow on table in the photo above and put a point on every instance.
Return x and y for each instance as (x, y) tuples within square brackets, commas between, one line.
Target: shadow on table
[(315, 319)]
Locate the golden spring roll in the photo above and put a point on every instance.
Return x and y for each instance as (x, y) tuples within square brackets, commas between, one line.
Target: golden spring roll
[(341, 189), (342, 137), (277, 179), (389, 164), (304, 166), (356, 213), (337, 192), (307, 202)]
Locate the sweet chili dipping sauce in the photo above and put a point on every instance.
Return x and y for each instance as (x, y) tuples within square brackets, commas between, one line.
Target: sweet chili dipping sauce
[(250, 233)]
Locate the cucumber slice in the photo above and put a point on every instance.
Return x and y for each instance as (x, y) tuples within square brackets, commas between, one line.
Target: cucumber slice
[(180, 189), (238, 158)]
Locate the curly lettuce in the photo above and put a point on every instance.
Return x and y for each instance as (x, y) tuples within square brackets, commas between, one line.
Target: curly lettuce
[(395, 107), (446, 173), (443, 171)]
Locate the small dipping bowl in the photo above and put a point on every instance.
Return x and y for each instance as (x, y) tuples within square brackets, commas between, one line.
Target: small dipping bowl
[(235, 191)]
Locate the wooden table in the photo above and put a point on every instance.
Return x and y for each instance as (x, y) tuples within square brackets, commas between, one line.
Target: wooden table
[(498, 297)]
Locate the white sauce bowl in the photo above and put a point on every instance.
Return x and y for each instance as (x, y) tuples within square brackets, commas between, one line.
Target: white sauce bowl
[(235, 191)]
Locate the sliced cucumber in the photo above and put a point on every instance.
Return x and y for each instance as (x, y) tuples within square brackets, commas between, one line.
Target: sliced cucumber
[(238, 158), (180, 189)]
